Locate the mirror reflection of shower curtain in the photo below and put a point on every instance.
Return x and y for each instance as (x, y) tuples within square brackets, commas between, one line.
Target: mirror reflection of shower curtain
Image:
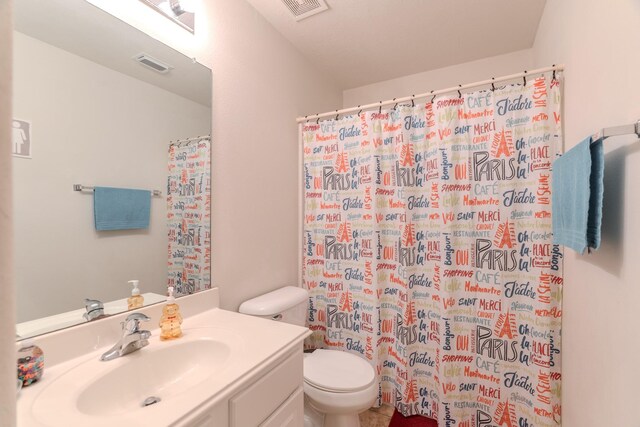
[(189, 217), (428, 252)]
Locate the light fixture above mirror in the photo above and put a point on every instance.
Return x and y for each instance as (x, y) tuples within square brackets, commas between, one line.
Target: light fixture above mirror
[(182, 12)]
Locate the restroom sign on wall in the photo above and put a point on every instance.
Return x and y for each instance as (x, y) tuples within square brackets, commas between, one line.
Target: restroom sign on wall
[(21, 138)]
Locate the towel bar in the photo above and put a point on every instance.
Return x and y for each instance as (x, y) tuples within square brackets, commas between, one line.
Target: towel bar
[(617, 131), (80, 187)]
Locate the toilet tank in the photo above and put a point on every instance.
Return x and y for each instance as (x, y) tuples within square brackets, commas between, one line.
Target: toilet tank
[(288, 304)]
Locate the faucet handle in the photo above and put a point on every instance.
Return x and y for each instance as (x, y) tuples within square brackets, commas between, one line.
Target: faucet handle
[(92, 304), (134, 319)]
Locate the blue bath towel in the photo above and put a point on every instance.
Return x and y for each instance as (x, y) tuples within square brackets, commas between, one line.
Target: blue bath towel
[(120, 208), (577, 194)]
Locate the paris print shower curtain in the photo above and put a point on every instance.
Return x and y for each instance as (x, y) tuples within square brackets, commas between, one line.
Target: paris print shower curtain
[(188, 217), (428, 252)]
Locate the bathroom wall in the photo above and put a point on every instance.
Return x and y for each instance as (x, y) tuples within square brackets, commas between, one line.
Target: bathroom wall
[(7, 305), (91, 126), (599, 41), (261, 83), (441, 78)]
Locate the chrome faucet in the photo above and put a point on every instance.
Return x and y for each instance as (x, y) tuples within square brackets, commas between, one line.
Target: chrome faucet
[(132, 339), (95, 309)]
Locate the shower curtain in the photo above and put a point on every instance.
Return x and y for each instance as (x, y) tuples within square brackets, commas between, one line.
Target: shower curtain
[(428, 251), (188, 217)]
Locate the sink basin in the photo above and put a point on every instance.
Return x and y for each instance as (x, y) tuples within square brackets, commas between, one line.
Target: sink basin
[(153, 373), (114, 391)]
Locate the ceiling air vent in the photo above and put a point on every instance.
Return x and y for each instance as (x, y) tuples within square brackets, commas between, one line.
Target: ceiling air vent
[(153, 63), (305, 8)]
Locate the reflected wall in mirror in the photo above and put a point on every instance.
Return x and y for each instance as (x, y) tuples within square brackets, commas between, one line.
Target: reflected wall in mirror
[(98, 118)]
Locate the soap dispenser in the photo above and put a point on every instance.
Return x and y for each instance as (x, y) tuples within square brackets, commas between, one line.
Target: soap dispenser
[(171, 319), (135, 300)]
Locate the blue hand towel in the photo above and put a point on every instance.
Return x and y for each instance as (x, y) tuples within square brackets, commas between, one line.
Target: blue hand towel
[(577, 193), (121, 209)]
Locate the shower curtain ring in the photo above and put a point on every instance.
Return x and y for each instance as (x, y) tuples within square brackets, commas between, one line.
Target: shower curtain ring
[(554, 73), (380, 108), (459, 93), (413, 104), (524, 78), (493, 87), (434, 98), (318, 118), (359, 112), (395, 106), (307, 120), (337, 115)]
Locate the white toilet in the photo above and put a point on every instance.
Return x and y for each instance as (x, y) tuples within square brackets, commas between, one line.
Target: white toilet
[(337, 385)]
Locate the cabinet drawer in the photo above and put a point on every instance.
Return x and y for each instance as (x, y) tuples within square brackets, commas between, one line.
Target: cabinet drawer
[(252, 406), (290, 414)]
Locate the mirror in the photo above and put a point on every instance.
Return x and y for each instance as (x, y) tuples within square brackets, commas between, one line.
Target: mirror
[(88, 111)]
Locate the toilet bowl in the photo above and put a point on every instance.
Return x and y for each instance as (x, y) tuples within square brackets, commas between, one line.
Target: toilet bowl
[(337, 385)]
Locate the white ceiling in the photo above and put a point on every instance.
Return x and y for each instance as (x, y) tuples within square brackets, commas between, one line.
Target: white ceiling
[(359, 42), (87, 31)]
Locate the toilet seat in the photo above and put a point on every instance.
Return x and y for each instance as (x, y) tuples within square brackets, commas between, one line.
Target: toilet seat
[(337, 371)]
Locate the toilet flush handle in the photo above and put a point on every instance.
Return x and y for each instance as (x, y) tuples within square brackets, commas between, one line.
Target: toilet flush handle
[(277, 316)]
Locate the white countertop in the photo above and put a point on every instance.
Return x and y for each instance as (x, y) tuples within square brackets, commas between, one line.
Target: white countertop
[(260, 342)]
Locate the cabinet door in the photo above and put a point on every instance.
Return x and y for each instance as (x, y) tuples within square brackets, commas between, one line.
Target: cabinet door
[(290, 413), (206, 421), (212, 416), (254, 405)]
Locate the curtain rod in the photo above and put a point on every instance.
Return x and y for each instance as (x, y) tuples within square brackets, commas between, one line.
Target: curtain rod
[(432, 93)]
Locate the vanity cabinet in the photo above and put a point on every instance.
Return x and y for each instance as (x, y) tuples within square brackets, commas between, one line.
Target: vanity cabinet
[(231, 370), (271, 397)]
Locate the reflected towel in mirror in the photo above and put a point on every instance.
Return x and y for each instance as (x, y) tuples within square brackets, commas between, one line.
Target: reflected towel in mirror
[(121, 208)]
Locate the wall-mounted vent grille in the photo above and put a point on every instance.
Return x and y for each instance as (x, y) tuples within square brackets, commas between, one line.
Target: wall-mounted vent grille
[(305, 8), (153, 63)]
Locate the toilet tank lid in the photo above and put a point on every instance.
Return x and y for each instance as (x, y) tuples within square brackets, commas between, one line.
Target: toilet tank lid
[(274, 302)]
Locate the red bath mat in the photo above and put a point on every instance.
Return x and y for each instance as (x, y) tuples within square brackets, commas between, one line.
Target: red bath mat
[(398, 420)]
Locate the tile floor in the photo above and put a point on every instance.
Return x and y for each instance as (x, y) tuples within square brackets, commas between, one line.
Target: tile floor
[(377, 417)]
